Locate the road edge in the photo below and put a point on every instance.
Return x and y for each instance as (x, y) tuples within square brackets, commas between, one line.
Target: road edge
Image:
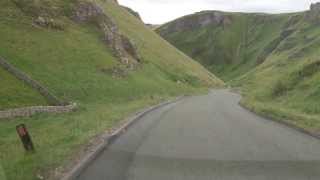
[(275, 119), (282, 122), (106, 139)]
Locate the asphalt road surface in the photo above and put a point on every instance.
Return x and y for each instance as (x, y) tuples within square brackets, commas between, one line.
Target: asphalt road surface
[(208, 137)]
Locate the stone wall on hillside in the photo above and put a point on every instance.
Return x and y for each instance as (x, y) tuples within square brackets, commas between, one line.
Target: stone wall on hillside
[(123, 47), (57, 105), (52, 100), (29, 111)]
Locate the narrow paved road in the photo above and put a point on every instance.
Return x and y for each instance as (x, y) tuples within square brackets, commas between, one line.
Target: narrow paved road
[(208, 138)]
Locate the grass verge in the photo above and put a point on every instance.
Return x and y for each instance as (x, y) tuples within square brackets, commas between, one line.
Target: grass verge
[(58, 137), (277, 112), (75, 64)]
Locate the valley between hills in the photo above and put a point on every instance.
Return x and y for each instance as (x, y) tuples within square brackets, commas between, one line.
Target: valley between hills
[(101, 62), (273, 59)]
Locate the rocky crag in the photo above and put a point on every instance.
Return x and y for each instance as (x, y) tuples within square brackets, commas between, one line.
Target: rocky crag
[(230, 41), (84, 12), (131, 11), (124, 49), (314, 13), (198, 20), (273, 58), (81, 12)]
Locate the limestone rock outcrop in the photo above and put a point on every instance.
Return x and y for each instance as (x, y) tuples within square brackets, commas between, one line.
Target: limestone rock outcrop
[(131, 11), (201, 19), (49, 23), (314, 13), (122, 46), (315, 7)]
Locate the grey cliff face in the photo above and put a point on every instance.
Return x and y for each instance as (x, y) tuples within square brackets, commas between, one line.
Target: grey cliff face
[(131, 11), (202, 19), (315, 7), (314, 13), (123, 48)]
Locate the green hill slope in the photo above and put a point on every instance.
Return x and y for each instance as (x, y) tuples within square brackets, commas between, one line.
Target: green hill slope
[(273, 58), (20, 94), (73, 60), (228, 44)]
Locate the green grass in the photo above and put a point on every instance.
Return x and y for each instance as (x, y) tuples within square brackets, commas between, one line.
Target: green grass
[(14, 93), (274, 59), (73, 65), (2, 174), (286, 93), (229, 50), (279, 112), (57, 137), (286, 85)]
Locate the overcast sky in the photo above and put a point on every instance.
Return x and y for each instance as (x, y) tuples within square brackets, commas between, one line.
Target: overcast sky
[(161, 11)]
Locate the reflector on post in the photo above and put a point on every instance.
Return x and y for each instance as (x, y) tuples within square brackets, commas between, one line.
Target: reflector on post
[(25, 137)]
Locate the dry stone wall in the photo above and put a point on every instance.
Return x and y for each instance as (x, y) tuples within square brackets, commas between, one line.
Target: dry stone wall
[(52, 100), (87, 12), (29, 111), (57, 105)]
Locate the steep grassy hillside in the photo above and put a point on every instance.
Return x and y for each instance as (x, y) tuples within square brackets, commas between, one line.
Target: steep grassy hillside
[(273, 58), (20, 93), (228, 44), (286, 85), (75, 63)]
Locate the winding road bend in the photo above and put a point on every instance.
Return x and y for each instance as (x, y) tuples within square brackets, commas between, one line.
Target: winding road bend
[(208, 137)]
